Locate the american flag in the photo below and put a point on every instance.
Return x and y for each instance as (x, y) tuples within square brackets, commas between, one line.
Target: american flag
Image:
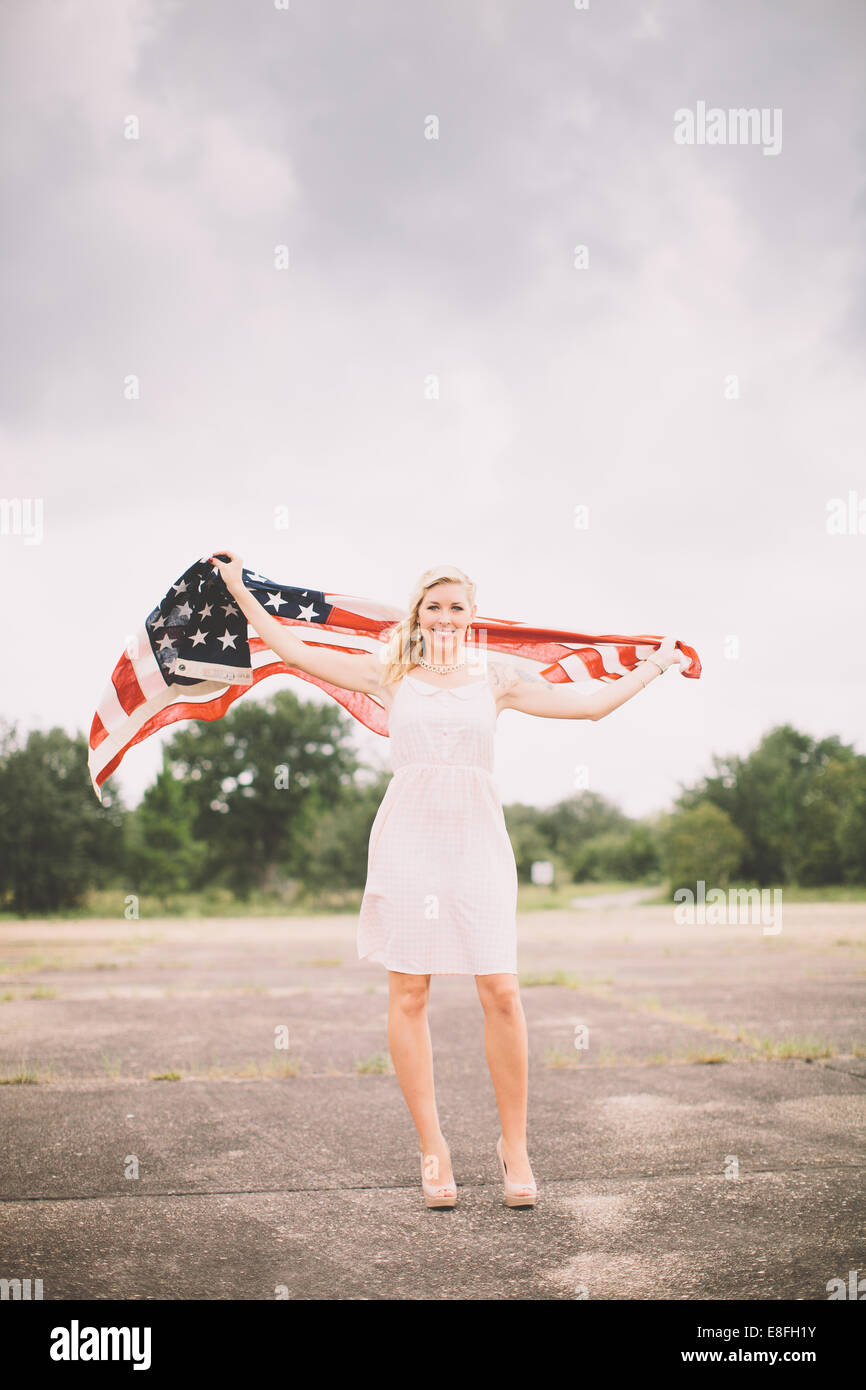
[(196, 654)]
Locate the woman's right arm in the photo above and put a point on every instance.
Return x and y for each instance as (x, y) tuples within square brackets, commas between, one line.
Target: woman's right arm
[(362, 672)]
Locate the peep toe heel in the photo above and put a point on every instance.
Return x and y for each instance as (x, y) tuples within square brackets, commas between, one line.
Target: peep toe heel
[(437, 1194), (516, 1194)]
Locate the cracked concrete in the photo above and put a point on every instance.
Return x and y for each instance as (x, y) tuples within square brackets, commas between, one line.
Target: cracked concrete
[(659, 1177)]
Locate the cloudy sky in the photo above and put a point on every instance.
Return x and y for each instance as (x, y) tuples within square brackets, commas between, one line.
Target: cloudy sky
[(438, 374)]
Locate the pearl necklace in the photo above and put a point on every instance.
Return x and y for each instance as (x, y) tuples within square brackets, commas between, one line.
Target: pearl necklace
[(440, 670)]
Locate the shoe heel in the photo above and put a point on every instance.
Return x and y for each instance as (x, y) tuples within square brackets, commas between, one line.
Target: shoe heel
[(437, 1195), (515, 1194)]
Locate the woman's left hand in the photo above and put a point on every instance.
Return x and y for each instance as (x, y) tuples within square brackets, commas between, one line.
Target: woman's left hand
[(231, 570)]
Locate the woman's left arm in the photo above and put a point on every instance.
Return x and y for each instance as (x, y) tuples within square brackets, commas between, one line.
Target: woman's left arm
[(532, 694)]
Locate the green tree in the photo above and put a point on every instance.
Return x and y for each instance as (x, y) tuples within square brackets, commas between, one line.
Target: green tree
[(701, 842), (56, 840), (336, 837), (528, 840), (618, 854), (569, 824), (834, 815), (773, 797), (257, 779), (164, 856)]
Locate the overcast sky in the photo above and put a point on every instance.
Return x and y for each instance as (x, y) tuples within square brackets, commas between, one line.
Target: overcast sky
[(695, 380)]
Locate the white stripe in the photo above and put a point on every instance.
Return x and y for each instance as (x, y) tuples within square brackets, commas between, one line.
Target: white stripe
[(366, 608), (120, 737), (148, 675), (309, 633)]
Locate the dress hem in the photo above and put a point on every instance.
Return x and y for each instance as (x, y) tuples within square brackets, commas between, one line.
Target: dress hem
[(398, 970)]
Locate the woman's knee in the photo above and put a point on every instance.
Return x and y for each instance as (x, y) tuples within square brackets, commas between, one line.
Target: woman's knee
[(409, 993), (499, 993)]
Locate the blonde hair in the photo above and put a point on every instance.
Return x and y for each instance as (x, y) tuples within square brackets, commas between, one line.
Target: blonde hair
[(404, 645)]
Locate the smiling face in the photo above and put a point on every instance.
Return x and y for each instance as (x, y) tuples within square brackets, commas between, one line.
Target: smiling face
[(443, 616)]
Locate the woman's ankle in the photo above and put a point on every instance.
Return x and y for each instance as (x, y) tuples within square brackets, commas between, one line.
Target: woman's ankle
[(515, 1146), (433, 1144)]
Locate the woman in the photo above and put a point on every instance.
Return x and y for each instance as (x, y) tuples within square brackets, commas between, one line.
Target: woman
[(441, 892)]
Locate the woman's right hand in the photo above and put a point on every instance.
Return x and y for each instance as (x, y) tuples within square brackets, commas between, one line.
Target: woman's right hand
[(667, 654), (231, 570)]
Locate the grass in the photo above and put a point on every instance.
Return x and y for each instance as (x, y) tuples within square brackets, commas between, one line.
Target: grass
[(110, 903), (806, 1048), (784, 1049), (276, 1066), (377, 1065), (32, 965), (762, 1048), (567, 980), (26, 1076), (29, 964), (111, 1066)]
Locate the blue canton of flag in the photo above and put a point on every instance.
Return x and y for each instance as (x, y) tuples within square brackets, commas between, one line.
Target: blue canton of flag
[(198, 632)]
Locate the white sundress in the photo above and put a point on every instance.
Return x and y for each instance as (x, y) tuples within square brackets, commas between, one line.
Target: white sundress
[(441, 891)]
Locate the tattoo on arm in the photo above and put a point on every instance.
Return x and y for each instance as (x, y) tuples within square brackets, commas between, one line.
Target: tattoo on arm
[(506, 676)]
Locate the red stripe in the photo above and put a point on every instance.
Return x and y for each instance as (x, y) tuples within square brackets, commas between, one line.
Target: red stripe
[(125, 682), (361, 706), (343, 617), (98, 732)]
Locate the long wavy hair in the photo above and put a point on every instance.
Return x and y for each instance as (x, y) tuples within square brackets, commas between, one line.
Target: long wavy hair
[(405, 644)]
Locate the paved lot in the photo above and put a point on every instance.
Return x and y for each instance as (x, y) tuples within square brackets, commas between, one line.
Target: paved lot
[(708, 1142)]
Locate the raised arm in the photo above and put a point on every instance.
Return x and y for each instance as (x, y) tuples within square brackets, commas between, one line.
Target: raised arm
[(530, 693), (362, 672)]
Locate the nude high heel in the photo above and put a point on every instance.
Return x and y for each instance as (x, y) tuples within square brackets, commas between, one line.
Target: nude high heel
[(441, 1195), (516, 1194)]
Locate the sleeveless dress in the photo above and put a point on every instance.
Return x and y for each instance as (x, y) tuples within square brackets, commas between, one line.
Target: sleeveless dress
[(441, 892)]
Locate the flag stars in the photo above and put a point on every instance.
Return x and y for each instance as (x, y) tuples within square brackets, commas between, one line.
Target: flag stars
[(276, 601), (228, 639), (166, 644), (197, 638), (307, 613)]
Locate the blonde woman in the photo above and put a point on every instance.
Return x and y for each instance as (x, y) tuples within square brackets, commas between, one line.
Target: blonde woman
[(441, 891)]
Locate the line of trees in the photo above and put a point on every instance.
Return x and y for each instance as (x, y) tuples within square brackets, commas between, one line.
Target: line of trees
[(274, 798)]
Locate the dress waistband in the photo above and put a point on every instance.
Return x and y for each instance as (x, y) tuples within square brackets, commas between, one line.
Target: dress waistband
[(473, 767)]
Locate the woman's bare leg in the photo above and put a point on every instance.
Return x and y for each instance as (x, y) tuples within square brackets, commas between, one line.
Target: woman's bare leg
[(411, 1049), (507, 1048)]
